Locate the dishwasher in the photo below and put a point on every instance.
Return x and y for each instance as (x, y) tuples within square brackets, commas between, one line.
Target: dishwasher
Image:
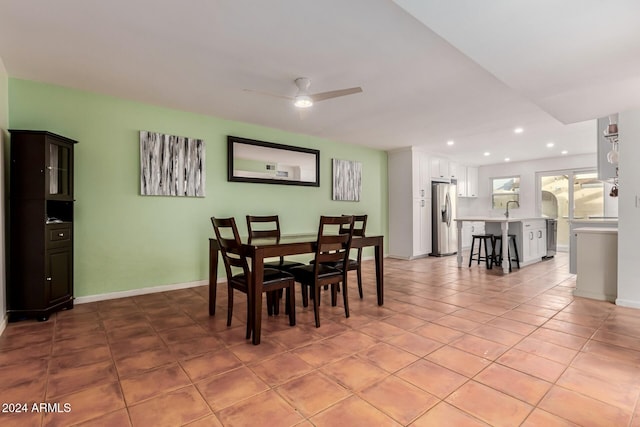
[(552, 237)]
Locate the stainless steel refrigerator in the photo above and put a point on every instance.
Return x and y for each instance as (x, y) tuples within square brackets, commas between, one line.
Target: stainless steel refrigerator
[(444, 233)]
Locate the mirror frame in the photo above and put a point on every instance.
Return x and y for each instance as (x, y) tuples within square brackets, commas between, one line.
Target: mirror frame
[(231, 140)]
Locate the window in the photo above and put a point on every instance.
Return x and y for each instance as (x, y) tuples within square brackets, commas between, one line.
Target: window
[(504, 190)]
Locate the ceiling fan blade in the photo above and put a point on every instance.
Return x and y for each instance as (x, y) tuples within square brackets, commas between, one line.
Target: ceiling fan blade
[(274, 95), (335, 93)]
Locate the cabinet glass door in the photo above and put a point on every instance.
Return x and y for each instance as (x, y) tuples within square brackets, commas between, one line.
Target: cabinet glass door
[(58, 170)]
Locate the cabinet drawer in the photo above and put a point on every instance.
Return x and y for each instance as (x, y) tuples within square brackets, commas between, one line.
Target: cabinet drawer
[(59, 236), (533, 223)]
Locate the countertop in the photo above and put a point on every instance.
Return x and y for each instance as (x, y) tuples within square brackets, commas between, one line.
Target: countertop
[(597, 230), (496, 219), (595, 221)]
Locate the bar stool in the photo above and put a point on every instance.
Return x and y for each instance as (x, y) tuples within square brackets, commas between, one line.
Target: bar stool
[(498, 256), (488, 243)]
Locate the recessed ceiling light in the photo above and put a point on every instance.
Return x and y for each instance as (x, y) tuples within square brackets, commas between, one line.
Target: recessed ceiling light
[(450, 142), (507, 159), (550, 144), (486, 153), (518, 130), (564, 152)]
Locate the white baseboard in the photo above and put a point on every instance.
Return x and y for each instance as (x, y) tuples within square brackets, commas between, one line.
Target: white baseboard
[(141, 291), (154, 289), (627, 303)]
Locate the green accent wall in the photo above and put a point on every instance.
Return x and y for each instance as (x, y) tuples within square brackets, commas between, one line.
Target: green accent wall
[(126, 241)]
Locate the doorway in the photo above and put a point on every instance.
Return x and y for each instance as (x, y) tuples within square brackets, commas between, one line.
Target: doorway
[(569, 194)]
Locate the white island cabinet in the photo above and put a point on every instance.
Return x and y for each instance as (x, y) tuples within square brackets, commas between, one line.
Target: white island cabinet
[(584, 223), (531, 237), (597, 263)]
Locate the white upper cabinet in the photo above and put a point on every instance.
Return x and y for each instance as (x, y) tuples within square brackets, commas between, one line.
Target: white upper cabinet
[(461, 179), (421, 178), (472, 181), (440, 169), (467, 181), (454, 170)]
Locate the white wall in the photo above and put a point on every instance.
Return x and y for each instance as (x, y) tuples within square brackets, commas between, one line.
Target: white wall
[(4, 124), (481, 206), (629, 210)]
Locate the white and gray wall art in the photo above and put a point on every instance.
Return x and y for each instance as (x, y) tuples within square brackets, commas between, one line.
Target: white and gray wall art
[(347, 180), (171, 165)]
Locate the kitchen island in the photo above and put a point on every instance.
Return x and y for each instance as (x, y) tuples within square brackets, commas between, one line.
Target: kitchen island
[(583, 223), (530, 237)]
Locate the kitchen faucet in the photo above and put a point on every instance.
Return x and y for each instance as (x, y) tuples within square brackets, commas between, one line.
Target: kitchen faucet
[(506, 214)]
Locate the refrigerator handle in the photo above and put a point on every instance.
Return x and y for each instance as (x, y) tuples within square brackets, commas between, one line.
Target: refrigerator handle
[(448, 209)]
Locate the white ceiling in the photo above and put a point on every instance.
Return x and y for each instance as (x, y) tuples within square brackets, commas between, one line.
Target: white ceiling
[(431, 71)]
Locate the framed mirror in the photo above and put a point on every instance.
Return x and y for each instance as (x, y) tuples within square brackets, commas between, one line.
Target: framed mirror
[(269, 163)]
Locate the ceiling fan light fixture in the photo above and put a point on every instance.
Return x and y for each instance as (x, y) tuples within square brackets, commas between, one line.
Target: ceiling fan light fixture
[(303, 101)]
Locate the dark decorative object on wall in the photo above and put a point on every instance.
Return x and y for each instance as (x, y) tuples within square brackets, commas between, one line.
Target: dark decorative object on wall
[(171, 165), (347, 180), (270, 163)]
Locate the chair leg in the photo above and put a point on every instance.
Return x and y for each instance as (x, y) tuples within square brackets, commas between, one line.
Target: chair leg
[(487, 260), (359, 271), (278, 297), (493, 251), (291, 304), (473, 242), (334, 295), (305, 295), (270, 304), (250, 319), (316, 312), (345, 298), (230, 305)]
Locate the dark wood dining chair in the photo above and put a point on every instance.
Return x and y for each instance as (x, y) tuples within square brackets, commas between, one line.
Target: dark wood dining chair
[(331, 246), (359, 227), (233, 256), (268, 226)]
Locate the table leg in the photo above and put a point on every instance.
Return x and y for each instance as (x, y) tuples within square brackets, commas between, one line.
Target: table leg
[(255, 290), (459, 257), (379, 273), (505, 246), (213, 275)]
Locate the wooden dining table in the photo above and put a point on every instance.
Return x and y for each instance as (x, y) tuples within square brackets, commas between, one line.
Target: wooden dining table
[(259, 249)]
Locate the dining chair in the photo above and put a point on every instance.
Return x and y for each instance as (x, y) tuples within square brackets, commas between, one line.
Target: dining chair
[(332, 245), (268, 226), (233, 256), (359, 227), (265, 227)]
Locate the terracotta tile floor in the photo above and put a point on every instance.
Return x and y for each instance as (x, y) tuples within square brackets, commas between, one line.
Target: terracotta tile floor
[(450, 347)]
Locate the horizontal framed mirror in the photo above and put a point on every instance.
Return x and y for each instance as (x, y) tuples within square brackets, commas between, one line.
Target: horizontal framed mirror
[(269, 163)]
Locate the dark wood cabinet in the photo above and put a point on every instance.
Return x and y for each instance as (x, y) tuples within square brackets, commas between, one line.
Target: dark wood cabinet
[(41, 225)]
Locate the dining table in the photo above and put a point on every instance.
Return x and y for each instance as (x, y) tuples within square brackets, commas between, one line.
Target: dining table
[(259, 249)]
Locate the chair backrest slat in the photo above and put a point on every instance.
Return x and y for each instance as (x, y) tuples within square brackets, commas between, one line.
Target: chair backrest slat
[(333, 243), (230, 245), (258, 227), (260, 230)]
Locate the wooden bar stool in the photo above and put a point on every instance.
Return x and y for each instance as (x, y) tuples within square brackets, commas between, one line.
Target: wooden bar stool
[(497, 258), (488, 244)]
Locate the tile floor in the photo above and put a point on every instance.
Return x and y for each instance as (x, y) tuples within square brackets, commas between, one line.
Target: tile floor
[(450, 347)]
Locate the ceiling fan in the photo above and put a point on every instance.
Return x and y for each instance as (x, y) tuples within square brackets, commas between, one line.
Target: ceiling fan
[(304, 99)]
